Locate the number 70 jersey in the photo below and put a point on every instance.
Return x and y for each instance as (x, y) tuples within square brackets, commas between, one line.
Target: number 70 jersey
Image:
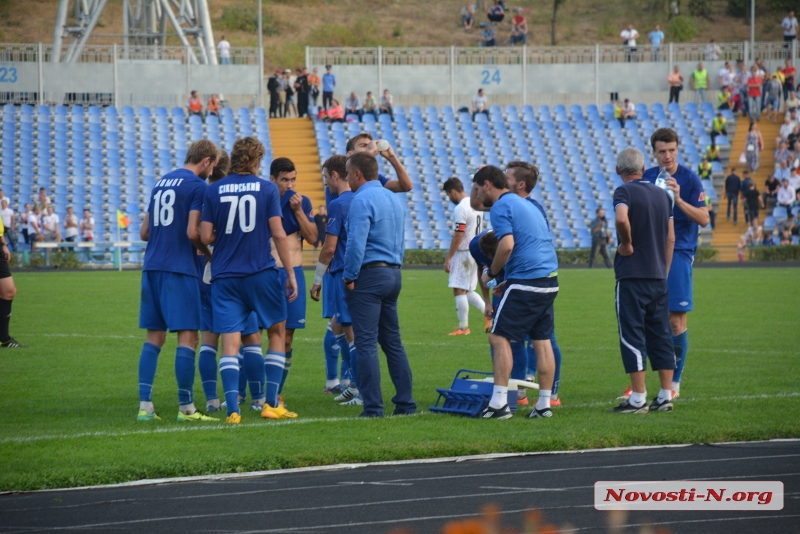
[(171, 200), (240, 206)]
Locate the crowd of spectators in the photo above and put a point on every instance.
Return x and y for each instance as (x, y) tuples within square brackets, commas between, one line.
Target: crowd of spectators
[(353, 105), (292, 94), (194, 105), (495, 12)]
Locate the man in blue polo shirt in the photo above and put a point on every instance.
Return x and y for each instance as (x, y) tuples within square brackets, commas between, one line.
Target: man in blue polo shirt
[(241, 213), (170, 297), (328, 86), (525, 250), (374, 254), (689, 211), (646, 238)]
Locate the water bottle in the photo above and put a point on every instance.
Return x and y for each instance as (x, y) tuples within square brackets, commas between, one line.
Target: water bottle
[(661, 181), (491, 284)]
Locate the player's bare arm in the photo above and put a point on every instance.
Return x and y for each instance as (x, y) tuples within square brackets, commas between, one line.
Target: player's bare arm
[(282, 248), (625, 247), (458, 237), (670, 243), (504, 248), (695, 214), (324, 260), (193, 233), (144, 231), (308, 230), (403, 182), (207, 233)]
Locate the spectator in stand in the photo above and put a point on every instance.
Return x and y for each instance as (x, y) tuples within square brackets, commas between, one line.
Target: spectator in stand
[(273, 86), (699, 83), (718, 127), (796, 203), (789, 26), (301, 88), (785, 130), (770, 195), (480, 104), (335, 112), (725, 75), (786, 196), (724, 98), (87, 226), (712, 215), (23, 222), (783, 172), (328, 86), (495, 12), (704, 169), (629, 36), (34, 226), (468, 16), (371, 106), (792, 103), (519, 28), (194, 105), (753, 145), (628, 110), (50, 223), (214, 105), (70, 226), (291, 102), (283, 85), (742, 80), (321, 220), (224, 51), (789, 73), (733, 185), (386, 104), (42, 200), (773, 100), (782, 153), (656, 42), (712, 51), (675, 80), (353, 105), (601, 238), (9, 223), (712, 151), (313, 86), (487, 35), (753, 202), (754, 234)]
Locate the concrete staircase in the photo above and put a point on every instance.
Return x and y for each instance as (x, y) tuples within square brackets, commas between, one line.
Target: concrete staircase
[(726, 235), (294, 139)]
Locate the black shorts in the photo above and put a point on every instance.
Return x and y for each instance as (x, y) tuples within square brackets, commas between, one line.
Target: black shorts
[(5, 269), (526, 309), (644, 330)]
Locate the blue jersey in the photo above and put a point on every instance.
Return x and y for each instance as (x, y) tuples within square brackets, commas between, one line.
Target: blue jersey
[(171, 200), (290, 224), (692, 193), (240, 207), (337, 216), (533, 255)]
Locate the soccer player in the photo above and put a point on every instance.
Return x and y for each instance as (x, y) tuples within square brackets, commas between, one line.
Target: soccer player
[(690, 210), (331, 259), (298, 223), (526, 251), (8, 290), (170, 296), (459, 264), (241, 213), (209, 339)]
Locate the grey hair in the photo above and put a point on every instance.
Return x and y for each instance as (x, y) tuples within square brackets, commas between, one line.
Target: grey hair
[(630, 161)]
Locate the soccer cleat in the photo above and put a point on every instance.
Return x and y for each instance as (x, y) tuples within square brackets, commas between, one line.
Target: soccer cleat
[(346, 395), (239, 399), (496, 413), (487, 324), (627, 395), (277, 413), (11, 343), (459, 332), (144, 416), (335, 390), (256, 407), (355, 401), (194, 417), (665, 406), (540, 414), (675, 394), (626, 407), (555, 403), (523, 401), (233, 419), (212, 408)]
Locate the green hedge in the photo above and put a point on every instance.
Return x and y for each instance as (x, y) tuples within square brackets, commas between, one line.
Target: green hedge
[(776, 253)]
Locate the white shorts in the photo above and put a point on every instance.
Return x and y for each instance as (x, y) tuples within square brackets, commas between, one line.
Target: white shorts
[(463, 271)]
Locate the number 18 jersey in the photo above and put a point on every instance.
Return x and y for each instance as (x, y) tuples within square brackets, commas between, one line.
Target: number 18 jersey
[(171, 200), (240, 207)]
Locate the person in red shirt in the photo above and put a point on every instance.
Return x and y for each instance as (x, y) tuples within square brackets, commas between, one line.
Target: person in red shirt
[(754, 94), (335, 112), (789, 73)]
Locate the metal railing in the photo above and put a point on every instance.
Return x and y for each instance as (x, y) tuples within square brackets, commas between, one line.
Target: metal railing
[(552, 55), (29, 53), (416, 56)]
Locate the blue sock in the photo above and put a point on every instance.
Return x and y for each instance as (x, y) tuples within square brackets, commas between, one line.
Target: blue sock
[(242, 374), (229, 375), (254, 372), (331, 353), (532, 363), (148, 360), (207, 364), (557, 355), (353, 364), (519, 357), (681, 342), (184, 373), (286, 366), (340, 346), (273, 367)]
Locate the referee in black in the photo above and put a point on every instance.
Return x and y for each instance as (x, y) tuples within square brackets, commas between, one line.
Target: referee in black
[(646, 238)]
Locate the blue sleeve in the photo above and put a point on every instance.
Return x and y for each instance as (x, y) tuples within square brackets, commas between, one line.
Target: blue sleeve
[(308, 209), (273, 203), (334, 79), (335, 222), (697, 197), (382, 179), (501, 220), (208, 208), (357, 233), (620, 197), (197, 197)]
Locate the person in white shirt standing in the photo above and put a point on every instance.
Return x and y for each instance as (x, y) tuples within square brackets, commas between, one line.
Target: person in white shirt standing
[(9, 223), (459, 263), (629, 36), (789, 25), (224, 48), (87, 226), (70, 226), (50, 224)]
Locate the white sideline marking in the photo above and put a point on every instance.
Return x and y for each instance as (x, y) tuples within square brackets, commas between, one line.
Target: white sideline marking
[(304, 421)]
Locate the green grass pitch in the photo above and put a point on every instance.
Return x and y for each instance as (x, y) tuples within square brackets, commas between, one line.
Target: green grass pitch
[(69, 400)]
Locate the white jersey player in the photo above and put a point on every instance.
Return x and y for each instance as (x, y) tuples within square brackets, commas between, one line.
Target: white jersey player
[(459, 263)]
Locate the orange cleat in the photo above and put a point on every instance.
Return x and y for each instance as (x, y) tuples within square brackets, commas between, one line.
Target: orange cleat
[(555, 403), (487, 324), (523, 401), (626, 395), (459, 332)]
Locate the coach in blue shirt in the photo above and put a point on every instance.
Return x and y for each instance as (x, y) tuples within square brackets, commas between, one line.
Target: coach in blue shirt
[(372, 277)]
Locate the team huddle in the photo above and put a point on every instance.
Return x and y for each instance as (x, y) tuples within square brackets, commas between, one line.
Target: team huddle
[(224, 258)]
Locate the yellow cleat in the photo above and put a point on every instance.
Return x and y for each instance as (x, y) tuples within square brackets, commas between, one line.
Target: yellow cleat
[(277, 413), (234, 419), (145, 416), (196, 416)]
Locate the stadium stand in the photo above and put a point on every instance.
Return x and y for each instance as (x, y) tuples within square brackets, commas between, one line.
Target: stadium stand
[(106, 159)]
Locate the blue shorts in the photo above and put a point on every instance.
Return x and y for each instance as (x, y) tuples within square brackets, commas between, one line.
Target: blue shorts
[(342, 313), (207, 316), (234, 299), (328, 308), (680, 281), (526, 309), (296, 311), (169, 302), (643, 320)]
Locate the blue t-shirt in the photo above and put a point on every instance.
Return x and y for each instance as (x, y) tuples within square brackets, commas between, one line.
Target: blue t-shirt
[(692, 192), (337, 217), (328, 82), (533, 255), (240, 206), (656, 37), (290, 224), (329, 196), (171, 200)]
